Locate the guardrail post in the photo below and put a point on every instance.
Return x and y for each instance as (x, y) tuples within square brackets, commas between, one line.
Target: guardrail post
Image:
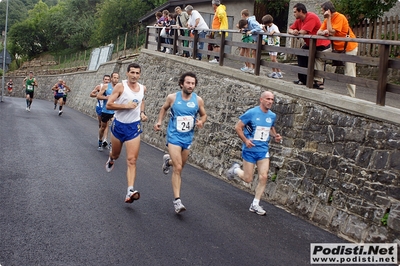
[(384, 51), (195, 43), (258, 55), (146, 42), (222, 49), (311, 61), (174, 43)]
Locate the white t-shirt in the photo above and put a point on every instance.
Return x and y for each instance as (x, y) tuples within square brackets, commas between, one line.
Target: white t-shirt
[(192, 21), (130, 115), (273, 40)]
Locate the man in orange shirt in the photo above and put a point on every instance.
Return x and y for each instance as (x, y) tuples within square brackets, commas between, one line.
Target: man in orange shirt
[(336, 24), (220, 22)]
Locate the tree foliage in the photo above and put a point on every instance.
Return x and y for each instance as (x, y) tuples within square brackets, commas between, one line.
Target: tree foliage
[(116, 17), (359, 10)]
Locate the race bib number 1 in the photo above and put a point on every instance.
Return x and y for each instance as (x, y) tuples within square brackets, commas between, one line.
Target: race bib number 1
[(261, 133), (184, 123)]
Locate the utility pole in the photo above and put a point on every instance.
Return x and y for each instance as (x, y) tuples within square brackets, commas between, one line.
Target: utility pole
[(4, 55)]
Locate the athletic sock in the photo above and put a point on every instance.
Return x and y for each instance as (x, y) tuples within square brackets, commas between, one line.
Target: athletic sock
[(100, 142), (60, 108), (130, 189), (256, 201), (177, 198)]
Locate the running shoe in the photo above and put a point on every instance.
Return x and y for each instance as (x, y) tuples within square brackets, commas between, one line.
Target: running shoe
[(279, 75), (60, 112), (230, 174), (165, 166), (179, 206), (55, 106), (257, 209), (109, 165), (100, 148), (27, 108), (132, 196), (214, 61), (272, 75), (105, 144), (244, 69), (250, 71)]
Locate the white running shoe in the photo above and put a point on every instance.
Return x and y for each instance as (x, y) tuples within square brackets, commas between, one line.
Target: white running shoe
[(214, 61), (179, 206), (60, 112), (230, 174), (165, 166), (257, 209), (131, 196), (251, 71), (272, 75), (244, 69), (27, 108), (279, 75)]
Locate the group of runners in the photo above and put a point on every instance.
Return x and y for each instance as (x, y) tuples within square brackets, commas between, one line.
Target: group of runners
[(123, 104), (60, 90)]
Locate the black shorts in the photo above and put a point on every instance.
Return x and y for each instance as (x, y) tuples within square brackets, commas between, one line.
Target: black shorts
[(57, 97), (30, 93), (106, 117)]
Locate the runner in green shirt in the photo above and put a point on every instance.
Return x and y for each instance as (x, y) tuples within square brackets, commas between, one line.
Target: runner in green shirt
[(30, 84)]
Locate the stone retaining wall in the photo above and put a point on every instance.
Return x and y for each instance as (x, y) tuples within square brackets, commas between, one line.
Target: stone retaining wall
[(336, 168)]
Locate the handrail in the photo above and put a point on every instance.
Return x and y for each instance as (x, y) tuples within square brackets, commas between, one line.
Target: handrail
[(383, 63)]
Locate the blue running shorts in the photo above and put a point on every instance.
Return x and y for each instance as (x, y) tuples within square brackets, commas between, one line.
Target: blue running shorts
[(184, 146), (254, 157), (125, 132)]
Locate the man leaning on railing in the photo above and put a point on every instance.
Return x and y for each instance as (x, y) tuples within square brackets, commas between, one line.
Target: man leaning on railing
[(336, 24)]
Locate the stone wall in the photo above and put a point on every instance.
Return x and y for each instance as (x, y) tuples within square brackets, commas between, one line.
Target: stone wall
[(336, 167)]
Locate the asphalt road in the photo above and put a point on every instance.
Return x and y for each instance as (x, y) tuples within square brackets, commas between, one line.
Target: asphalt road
[(60, 207)]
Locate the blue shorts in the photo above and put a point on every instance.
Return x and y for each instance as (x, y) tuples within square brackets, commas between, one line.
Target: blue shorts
[(125, 132), (98, 110), (184, 146), (254, 157)]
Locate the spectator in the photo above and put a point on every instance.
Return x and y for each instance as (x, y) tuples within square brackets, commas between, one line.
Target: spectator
[(166, 23), (172, 25), (220, 22), (196, 22), (336, 24), (246, 38), (271, 28), (181, 22), (160, 23), (254, 28), (308, 23)]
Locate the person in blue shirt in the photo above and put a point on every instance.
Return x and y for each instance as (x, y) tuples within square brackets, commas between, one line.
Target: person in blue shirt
[(106, 114), (255, 128), (185, 106)]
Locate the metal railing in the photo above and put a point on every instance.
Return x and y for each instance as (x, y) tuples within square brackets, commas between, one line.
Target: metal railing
[(383, 63)]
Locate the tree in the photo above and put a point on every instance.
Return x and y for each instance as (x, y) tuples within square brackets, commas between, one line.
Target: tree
[(116, 17), (359, 10)]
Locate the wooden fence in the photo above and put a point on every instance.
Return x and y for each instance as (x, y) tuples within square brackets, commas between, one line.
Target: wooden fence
[(384, 63), (380, 29)]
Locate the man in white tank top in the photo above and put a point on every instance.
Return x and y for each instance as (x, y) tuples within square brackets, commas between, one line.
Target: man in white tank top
[(127, 99)]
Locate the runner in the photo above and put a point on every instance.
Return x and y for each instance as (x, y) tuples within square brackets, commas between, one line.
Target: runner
[(60, 89), (255, 128), (99, 105), (106, 114), (10, 85), (66, 94), (127, 100), (29, 84), (185, 105)]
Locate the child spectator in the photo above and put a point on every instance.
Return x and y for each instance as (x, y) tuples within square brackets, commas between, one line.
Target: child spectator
[(270, 28), (246, 38), (254, 28)]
